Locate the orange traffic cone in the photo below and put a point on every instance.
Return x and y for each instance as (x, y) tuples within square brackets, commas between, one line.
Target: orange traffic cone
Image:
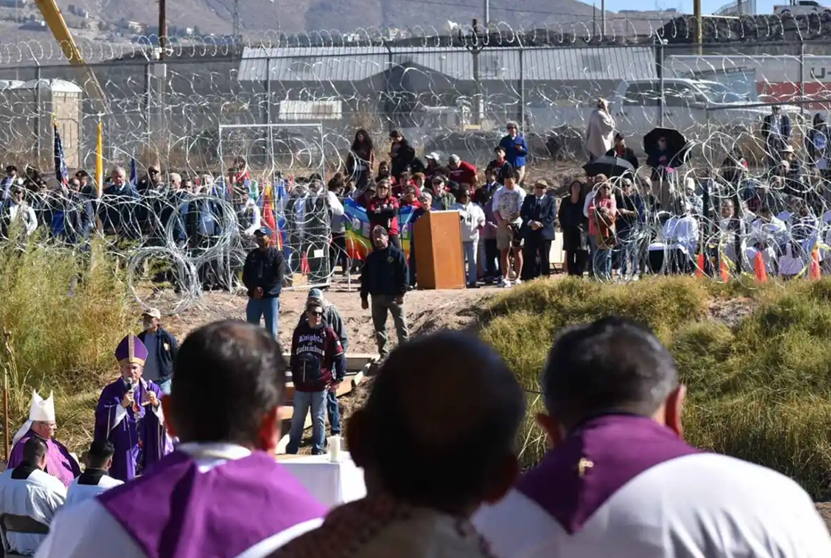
[(759, 268), (815, 273), (725, 271), (699, 269)]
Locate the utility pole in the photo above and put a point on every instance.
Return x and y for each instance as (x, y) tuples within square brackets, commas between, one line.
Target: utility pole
[(699, 31), (475, 45), (236, 20), (603, 18), (162, 28)]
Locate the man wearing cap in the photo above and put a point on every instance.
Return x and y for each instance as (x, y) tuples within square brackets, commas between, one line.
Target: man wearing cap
[(332, 319), (462, 172), (129, 414), (538, 213), (621, 151), (41, 424), (433, 165), (161, 350), (515, 150), (262, 275), (499, 167), (776, 133), (442, 199)]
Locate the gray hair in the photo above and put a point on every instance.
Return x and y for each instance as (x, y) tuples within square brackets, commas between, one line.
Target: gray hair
[(119, 171)]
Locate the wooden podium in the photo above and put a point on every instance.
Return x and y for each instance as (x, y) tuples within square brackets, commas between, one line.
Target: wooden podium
[(438, 251)]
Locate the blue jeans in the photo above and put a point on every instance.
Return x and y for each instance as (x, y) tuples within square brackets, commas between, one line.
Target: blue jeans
[(602, 264), (629, 256), (303, 400), (268, 308), (334, 411), (471, 253)]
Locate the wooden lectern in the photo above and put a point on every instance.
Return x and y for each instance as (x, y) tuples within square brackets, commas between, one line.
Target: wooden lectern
[(439, 258)]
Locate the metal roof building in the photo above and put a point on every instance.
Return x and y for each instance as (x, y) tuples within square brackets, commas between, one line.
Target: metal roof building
[(350, 64)]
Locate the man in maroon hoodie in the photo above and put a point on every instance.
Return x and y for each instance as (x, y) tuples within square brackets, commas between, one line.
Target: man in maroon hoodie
[(318, 364)]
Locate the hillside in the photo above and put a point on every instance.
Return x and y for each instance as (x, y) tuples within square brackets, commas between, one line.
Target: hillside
[(291, 16)]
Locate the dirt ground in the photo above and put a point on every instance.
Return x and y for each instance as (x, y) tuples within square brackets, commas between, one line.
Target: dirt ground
[(426, 311)]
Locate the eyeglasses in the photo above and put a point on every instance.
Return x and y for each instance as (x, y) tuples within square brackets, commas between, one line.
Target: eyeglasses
[(315, 313)]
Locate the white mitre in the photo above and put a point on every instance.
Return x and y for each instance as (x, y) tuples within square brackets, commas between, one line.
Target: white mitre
[(42, 410)]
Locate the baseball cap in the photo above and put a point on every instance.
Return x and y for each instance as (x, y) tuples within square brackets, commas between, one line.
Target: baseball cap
[(455, 159), (263, 231), (315, 294), (432, 156), (153, 313)]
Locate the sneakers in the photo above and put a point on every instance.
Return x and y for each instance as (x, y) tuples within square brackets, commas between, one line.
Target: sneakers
[(518, 281), (505, 283)]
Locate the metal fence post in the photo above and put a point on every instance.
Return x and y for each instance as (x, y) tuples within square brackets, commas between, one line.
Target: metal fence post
[(147, 93), (268, 112), (661, 44), (38, 113), (522, 90), (802, 77)]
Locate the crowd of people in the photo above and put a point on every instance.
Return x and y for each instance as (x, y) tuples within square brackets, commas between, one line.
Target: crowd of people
[(437, 442)]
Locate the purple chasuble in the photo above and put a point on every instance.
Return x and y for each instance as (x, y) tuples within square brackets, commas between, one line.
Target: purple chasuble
[(176, 511), (59, 463), (595, 460), (139, 439)]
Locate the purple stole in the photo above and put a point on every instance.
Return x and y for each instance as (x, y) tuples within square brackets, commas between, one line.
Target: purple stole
[(59, 463), (176, 511), (596, 459)]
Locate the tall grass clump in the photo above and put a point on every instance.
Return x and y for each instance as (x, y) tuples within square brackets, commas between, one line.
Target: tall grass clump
[(62, 312), (759, 387)]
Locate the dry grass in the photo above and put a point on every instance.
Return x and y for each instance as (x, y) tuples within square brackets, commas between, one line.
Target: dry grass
[(63, 313), (759, 390)]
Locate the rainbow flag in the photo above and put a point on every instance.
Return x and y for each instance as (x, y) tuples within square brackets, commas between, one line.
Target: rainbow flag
[(358, 242)]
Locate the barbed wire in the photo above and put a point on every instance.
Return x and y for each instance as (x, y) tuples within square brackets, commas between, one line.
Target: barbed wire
[(292, 105)]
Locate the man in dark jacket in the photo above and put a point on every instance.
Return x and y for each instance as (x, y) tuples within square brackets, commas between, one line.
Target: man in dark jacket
[(385, 277), (402, 154), (263, 275), (317, 368), (621, 151), (161, 350), (538, 213), (333, 319)]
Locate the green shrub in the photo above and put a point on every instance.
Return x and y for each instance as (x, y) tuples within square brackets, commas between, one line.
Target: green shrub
[(63, 313), (758, 389)]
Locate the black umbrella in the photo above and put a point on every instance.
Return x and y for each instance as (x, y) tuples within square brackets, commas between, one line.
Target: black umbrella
[(608, 165), (677, 146)]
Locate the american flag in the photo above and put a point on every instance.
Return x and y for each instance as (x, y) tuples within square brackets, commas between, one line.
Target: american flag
[(61, 172)]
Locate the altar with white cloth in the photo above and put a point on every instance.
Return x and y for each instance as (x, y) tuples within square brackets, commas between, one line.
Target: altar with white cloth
[(331, 483)]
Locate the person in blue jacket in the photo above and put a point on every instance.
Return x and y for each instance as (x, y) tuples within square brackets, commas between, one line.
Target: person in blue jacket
[(516, 150)]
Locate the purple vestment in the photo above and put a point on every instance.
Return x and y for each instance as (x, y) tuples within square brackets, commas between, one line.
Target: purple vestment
[(613, 450), (59, 463), (175, 511), (139, 438)]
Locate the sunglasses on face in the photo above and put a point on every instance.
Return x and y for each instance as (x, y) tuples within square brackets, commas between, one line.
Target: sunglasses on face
[(316, 313)]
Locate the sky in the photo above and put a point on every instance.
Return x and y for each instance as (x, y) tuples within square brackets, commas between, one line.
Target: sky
[(686, 6)]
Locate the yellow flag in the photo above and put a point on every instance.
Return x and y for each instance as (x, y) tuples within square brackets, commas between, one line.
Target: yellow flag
[(99, 160)]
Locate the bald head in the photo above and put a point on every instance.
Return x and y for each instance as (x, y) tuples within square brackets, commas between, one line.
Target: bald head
[(440, 423), (228, 376)]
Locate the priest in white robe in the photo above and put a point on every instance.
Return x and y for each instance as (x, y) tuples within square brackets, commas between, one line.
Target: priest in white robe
[(95, 479), (620, 482), (768, 236), (221, 493), (28, 491)]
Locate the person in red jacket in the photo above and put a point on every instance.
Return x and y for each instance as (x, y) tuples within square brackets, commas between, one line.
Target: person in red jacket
[(462, 172), (383, 211), (317, 366)]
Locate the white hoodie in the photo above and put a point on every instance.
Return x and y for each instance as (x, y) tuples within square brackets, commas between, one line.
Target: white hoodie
[(473, 219)]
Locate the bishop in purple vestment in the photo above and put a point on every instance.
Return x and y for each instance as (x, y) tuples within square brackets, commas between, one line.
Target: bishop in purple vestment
[(129, 415), (41, 424)]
